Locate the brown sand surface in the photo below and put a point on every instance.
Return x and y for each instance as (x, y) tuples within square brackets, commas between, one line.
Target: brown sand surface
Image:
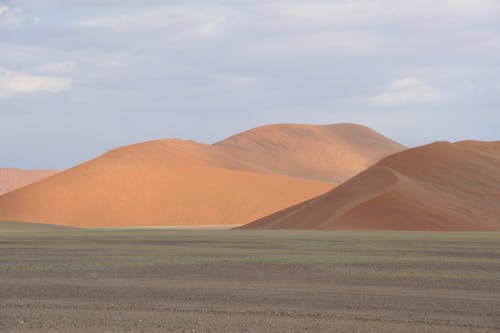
[(164, 182), (441, 186), (11, 179), (331, 153), (250, 281)]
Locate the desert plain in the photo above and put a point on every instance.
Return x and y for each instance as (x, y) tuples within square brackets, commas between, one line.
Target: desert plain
[(166, 280)]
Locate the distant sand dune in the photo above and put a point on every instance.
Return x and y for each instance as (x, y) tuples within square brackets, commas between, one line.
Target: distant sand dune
[(184, 183), (154, 184), (6, 227), (331, 153), (11, 179), (441, 186)]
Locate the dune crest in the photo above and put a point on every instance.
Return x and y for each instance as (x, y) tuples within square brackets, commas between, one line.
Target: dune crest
[(441, 186), (331, 153)]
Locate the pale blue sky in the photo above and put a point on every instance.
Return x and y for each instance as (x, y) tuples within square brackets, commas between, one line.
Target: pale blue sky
[(80, 77)]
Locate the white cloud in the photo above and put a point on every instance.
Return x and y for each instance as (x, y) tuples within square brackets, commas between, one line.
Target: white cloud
[(407, 91), (199, 22), (337, 41), (3, 9), (12, 18), (311, 44), (104, 22), (472, 7), (367, 12), (237, 81), (231, 82), (58, 68), (24, 54), (18, 83), (210, 28), (492, 43), (330, 12)]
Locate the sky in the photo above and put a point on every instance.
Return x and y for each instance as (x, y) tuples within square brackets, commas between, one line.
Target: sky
[(80, 77)]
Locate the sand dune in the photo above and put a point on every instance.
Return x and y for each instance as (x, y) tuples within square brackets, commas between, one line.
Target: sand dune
[(16, 227), (185, 183), (12, 179), (441, 186), (165, 182), (331, 153)]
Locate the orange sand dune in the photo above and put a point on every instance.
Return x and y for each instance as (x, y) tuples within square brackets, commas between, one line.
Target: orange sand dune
[(158, 183), (441, 186), (331, 153), (12, 179), (176, 182)]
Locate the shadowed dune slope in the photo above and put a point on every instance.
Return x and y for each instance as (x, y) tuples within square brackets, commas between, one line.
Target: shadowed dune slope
[(441, 186), (11, 179), (157, 183), (331, 153)]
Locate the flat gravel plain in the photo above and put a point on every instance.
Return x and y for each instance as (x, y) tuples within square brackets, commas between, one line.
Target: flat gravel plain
[(249, 281)]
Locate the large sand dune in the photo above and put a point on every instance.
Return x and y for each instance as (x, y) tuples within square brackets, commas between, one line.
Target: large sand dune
[(441, 186), (331, 153), (180, 183), (166, 182), (12, 179)]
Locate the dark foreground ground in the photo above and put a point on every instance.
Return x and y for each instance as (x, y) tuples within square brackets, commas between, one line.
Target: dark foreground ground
[(249, 281)]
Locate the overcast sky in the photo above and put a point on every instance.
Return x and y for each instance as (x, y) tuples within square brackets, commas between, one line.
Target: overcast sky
[(80, 77)]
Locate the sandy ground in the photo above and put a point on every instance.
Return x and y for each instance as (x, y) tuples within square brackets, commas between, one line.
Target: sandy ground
[(249, 281)]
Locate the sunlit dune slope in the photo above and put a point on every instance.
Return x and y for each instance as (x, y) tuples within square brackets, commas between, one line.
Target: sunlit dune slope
[(158, 183)]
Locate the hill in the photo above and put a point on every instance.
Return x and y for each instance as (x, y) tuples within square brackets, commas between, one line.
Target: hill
[(158, 183), (332, 153), (441, 186), (179, 183)]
